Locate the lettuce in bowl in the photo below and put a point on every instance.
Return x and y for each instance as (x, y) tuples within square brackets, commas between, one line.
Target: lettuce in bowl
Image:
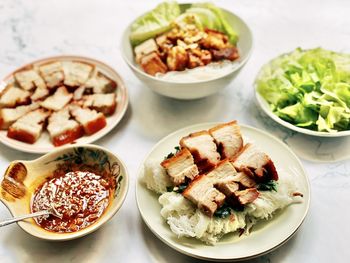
[(309, 89)]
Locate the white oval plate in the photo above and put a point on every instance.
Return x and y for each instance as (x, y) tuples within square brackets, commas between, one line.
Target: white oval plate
[(266, 235), (265, 107), (43, 144)]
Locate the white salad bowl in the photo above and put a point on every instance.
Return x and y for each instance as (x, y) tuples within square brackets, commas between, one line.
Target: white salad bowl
[(22, 178), (202, 87)]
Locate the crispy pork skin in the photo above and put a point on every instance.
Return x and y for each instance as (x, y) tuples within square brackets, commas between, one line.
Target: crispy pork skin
[(152, 64), (180, 166), (91, 120), (228, 138), (258, 162), (63, 129), (202, 192), (28, 128), (203, 149)]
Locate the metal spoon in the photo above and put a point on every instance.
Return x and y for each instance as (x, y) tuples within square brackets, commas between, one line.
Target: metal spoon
[(51, 211)]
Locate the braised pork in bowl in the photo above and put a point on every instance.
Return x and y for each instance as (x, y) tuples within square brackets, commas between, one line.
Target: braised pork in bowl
[(195, 51)]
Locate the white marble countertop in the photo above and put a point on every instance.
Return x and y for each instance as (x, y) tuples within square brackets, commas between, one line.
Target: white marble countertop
[(30, 30)]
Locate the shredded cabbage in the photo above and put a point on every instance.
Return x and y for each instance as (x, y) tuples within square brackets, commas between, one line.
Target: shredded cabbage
[(309, 88)]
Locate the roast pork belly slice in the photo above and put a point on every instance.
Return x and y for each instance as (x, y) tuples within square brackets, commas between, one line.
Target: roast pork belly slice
[(105, 103), (247, 196), (100, 83), (180, 166), (76, 73), (203, 149), (201, 191), (62, 129), (52, 73), (145, 48), (153, 64), (258, 162), (28, 128), (10, 115), (228, 138), (29, 79), (223, 172), (13, 96), (91, 120), (58, 100), (245, 180)]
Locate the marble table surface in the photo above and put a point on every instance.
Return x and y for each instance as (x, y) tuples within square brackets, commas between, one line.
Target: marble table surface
[(30, 30)]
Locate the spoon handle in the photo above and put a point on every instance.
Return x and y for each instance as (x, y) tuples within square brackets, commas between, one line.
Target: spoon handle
[(20, 218)]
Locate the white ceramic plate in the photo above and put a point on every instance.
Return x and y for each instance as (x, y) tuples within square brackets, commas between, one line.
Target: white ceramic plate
[(43, 144), (266, 235), (266, 108)]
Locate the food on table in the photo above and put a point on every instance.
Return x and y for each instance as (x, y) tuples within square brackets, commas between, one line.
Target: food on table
[(216, 183), (81, 197), (13, 96), (9, 115), (29, 127), (66, 98), (62, 129), (176, 41), (91, 120), (309, 89)]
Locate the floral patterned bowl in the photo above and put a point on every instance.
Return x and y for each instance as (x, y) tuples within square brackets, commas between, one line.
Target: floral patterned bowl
[(22, 178)]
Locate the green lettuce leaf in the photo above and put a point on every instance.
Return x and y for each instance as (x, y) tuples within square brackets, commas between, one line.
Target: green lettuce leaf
[(154, 22), (309, 88)]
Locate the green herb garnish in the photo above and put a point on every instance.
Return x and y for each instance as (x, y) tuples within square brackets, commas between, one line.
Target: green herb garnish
[(177, 149), (223, 212), (268, 186)]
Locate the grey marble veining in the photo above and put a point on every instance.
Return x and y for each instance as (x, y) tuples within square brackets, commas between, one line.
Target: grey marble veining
[(31, 30)]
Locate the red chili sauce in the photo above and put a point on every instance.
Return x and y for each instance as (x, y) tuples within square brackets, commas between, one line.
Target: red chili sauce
[(81, 197)]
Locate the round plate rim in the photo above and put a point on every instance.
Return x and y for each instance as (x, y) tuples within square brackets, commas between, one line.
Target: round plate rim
[(195, 255), (17, 145)]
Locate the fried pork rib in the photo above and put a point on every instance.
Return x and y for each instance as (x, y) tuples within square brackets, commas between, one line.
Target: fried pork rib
[(184, 47)]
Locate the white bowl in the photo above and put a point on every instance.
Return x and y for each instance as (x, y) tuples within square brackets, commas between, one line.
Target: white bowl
[(22, 178), (193, 89)]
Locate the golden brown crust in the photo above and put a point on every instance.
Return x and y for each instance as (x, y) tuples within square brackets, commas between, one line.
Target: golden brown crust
[(175, 158)]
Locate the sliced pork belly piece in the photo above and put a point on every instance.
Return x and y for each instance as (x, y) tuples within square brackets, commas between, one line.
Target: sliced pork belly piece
[(180, 166), (245, 180), (228, 138), (62, 129), (202, 147), (258, 162), (224, 172), (105, 103), (13, 96), (100, 83), (91, 120), (52, 73), (145, 48), (28, 128), (247, 196), (76, 73), (10, 115), (153, 64), (202, 192), (29, 79), (58, 100), (39, 93)]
